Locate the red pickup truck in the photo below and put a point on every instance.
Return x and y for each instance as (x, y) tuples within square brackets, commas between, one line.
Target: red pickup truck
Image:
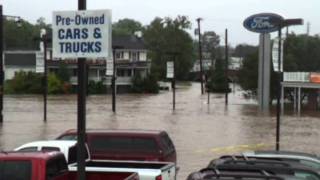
[(125, 144), (48, 166)]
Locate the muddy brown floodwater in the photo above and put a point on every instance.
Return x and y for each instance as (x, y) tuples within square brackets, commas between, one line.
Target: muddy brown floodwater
[(200, 131)]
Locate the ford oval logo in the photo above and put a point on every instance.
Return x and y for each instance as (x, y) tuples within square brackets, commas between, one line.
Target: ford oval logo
[(263, 23)]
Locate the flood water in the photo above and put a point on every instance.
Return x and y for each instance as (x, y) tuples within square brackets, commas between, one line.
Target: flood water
[(200, 131)]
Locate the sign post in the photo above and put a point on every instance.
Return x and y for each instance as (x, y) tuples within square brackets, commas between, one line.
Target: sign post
[(171, 75), (264, 24), (81, 34)]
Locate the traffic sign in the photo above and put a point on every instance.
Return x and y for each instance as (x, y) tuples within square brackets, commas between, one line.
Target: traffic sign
[(81, 34), (170, 69), (39, 62), (275, 55), (109, 71)]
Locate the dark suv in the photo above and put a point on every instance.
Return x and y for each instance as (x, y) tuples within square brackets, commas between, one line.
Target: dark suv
[(145, 145)]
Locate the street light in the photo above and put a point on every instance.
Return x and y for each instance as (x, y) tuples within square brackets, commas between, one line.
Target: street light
[(18, 21), (282, 24)]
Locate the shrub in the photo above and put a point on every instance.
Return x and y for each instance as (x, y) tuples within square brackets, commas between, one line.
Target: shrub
[(25, 83), (96, 87), (55, 85), (145, 85)]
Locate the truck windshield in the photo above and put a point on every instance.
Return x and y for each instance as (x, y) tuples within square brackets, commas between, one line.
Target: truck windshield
[(15, 170)]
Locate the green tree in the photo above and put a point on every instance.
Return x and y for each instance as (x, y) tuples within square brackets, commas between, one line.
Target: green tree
[(126, 27), (55, 86), (217, 81), (210, 42), (166, 35)]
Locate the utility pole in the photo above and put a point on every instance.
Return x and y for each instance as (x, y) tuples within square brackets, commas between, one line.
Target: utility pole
[(82, 85), (113, 82), (278, 92), (1, 65), (308, 28), (200, 54), (45, 77), (226, 66)]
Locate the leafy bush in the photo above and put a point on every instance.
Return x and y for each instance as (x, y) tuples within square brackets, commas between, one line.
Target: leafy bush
[(55, 85), (25, 83), (96, 87), (145, 85)]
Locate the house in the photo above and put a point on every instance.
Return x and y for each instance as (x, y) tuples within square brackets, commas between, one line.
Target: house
[(130, 60), (15, 61)]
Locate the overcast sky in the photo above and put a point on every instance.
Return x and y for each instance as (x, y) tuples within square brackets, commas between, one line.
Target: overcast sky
[(217, 14)]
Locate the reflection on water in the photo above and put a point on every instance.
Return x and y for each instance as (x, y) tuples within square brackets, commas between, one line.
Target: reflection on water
[(200, 131)]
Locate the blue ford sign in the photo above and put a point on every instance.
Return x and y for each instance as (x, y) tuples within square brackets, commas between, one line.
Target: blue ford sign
[(263, 23)]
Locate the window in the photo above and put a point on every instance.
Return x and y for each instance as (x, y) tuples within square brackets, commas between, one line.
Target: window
[(123, 144), (72, 154), (119, 55), (15, 170), (29, 149), (135, 56), (69, 137), (49, 149), (167, 142), (56, 167)]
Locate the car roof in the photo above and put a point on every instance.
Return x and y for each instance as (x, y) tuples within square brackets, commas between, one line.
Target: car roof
[(49, 143), (16, 155), (118, 131), (283, 154), (216, 173)]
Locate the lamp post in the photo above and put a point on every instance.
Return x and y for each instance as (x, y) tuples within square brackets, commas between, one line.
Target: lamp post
[(281, 24), (200, 55), (1, 59)]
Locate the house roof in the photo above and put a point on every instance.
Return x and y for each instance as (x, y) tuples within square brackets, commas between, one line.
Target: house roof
[(20, 59), (128, 42)]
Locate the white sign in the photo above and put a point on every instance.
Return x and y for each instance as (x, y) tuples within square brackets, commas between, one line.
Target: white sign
[(109, 71), (170, 69), (39, 62), (275, 55), (81, 34)]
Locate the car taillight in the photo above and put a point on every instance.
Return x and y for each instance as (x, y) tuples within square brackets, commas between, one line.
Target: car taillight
[(159, 177)]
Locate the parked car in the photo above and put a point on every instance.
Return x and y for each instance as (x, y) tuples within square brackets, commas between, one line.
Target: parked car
[(215, 173), (271, 166), (145, 145), (68, 148), (48, 166), (300, 161), (307, 159), (146, 170)]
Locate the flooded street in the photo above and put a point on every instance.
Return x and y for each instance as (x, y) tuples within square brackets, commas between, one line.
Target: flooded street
[(200, 131)]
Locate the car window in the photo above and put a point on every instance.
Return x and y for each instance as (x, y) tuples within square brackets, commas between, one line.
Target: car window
[(15, 170), (68, 137), (166, 141), (306, 175), (72, 155), (56, 167), (123, 144), (49, 149), (310, 164), (28, 149)]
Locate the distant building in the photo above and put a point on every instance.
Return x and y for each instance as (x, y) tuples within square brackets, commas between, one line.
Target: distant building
[(15, 61), (130, 60)]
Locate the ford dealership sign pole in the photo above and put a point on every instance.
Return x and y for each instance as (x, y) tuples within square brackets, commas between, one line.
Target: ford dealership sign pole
[(263, 23), (81, 34)]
